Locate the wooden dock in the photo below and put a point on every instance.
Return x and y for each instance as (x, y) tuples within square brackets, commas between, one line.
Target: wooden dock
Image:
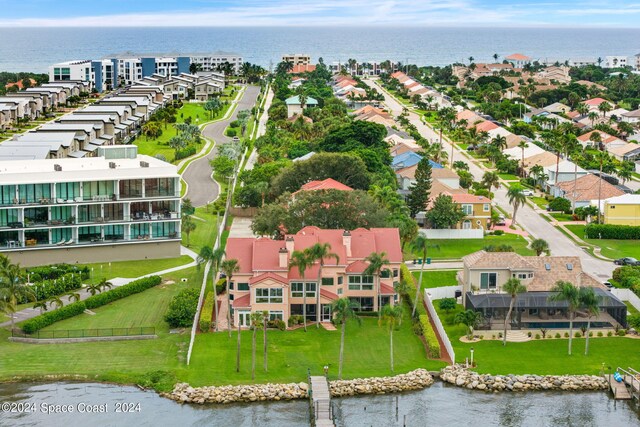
[(320, 400), (619, 390), (628, 388)]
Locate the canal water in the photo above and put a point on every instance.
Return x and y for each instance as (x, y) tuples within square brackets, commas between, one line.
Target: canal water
[(76, 404)]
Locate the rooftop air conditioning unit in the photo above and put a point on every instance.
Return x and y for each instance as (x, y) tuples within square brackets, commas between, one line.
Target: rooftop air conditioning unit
[(57, 168), (144, 164), (112, 165)]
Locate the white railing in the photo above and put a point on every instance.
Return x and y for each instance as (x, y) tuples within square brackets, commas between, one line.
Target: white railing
[(439, 328), (627, 295), (454, 233), (443, 292)]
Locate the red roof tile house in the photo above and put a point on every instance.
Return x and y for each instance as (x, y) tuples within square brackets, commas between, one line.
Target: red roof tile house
[(265, 282)]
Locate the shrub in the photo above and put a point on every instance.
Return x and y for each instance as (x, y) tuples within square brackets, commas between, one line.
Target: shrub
[(622, 332), (537, 336), (610, 333), (634, 321), (134, 287), (447, 304), (493, 337), (205, 325), (590, 334), (529, 334), (182, 309), (600, 334), (234, 124), (276, 324), (500, 335), (36, 323), (48, 288), (560, 204), (430, 337), (207, 307), (566, 334), (231, 132), (410, 285), (221, 286), (626, 276), (183, 153), (498, 232), (612, 231), (549, 337), (577, 335), (558, 335)]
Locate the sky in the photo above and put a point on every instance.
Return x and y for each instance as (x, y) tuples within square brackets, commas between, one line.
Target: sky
[(468, 13)]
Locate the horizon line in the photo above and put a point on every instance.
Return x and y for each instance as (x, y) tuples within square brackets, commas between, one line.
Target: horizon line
[(367, 25)]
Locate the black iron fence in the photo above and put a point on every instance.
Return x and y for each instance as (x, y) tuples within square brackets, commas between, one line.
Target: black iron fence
[(86, 333)]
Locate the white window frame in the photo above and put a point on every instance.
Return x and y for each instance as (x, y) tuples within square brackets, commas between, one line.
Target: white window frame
[(360, 282), (467, 209), (310, 290), (276, 314), (272, 296), (486, 207), (488, 275)]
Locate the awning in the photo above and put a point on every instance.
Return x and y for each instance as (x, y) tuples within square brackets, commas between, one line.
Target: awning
[(90, 147), (106, 137), (121, 127), (127, 122), (78, 154)]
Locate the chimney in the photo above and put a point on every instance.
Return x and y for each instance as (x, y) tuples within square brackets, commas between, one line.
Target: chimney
[(283, 258), (289, 244), (346, 241)]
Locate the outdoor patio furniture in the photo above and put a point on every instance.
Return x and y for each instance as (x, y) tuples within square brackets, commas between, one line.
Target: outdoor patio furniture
[(69, 242), (60, 243)]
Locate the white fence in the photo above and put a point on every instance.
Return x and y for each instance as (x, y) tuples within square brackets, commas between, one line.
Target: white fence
[(443, 292), (453, 233), (627, 295), (439, 328)]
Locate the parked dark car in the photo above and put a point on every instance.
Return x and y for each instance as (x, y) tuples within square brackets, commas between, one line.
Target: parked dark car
[(626, 261)]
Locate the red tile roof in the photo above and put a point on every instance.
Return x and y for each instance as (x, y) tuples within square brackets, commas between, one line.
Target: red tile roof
[(266, 276), (605, 137), (326, 184), (357, 267), (242, 302), (469, 198), (302, 68), (328, 295), (595, 101), (386, 289), (517, 57), (486, 126)]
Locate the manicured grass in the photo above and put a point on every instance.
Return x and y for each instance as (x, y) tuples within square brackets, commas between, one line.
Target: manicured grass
[(132, 269), (205, 232), (541, 202), (609, 247), (436, 278), (631, 309), (457, 248), (291, 353), (118, 361), (543, 357), (561, 216), (508, 177)]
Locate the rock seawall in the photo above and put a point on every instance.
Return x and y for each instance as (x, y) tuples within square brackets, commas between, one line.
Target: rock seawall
[(462, 377), (183, 393)]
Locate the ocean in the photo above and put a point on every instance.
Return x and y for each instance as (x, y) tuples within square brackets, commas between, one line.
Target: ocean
[(34, 49)]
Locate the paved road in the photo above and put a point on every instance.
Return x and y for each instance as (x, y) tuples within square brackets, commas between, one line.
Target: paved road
[(526, 217), (202, 188)]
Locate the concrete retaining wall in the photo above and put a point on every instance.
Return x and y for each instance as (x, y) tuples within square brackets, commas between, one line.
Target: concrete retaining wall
[(443, 292)]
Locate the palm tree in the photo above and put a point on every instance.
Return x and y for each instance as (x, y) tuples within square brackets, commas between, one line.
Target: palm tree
[(590, 302), (261, 187), (319, 252), (392, 317), (470, 319), (495, 57), (188, 226), (75, 296), (55, 300), (516, 198), (583, 109), (604, 108), (540, 246), (42, 305), (13, 289), (569, 293), (256, 323), (94, 289), (265, 317), (343, 309), (104, 285), (229, 267), (522, 145), (302, 261), (593, 116), (420, 244), (471, 58), (513, 287), (206, 255), (601, 156), (238, 350), (491, 179), (376, 262)]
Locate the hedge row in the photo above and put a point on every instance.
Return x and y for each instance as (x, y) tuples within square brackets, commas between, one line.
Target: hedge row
[(183, 153), (410, 284), (207, 307), (612, 231), (35, 324), (49, 288), (37, 274), (134, 287), (430, 337)]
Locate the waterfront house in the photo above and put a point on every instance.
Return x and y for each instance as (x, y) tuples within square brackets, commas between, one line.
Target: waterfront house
[(266, 283), (484, 274), (518, 60)]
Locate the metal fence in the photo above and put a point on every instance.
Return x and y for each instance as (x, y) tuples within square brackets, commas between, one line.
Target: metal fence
[(86, 333)]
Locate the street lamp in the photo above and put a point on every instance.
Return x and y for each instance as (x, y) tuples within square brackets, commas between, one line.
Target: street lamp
[(326, 370), (471, 356)]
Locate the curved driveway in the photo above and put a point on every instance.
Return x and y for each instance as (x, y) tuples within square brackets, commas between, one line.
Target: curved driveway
[(202, 188)]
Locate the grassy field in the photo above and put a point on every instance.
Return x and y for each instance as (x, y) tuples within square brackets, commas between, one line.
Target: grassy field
[(119, 361), (610, 248), (543, 357), (132, 269), (291, 353), (436, 278), (508, 177), (631, 309), (541, 202), (457, 248), (560, 216), (205, 232)]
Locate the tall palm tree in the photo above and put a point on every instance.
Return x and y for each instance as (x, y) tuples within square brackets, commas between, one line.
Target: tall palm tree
[(512, 287), (491, 179), (256, 323), (593, 116), (420, 244), (265, 318), (569, 293), (583, 109), (516, 198), (42, 305), (188, 225), (470, 319), (601, 156), (13, 289), (540, 246), (604, 108), (229, 267), (238, 349), (103, 285), (94, 289), (590, 302), (522, 145), (376, 262), (392, 317), (344, 309), (262, 187), (319, 252), (55, 300), (302, 261), (206, 255), (72, 296)]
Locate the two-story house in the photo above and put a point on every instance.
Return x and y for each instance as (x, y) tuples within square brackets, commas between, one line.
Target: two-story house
[(477, 210), (484, 274), (267, 282)]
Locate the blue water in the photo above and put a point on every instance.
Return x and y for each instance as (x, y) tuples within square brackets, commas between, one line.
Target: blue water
[(34, 49)]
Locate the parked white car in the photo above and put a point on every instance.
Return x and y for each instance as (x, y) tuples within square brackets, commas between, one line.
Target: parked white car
[(527, 192)]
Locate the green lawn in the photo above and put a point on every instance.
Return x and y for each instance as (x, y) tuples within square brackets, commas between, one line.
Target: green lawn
[(541, 202), (609, 247), (508, 177), (205, 232), (132, 269), (543, 357), (631, 309), (118, 361), (457, 248), (559, 216), (291, 353), (436, 278)]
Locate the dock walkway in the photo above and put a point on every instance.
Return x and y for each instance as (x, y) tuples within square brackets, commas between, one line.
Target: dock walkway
[(320, 402)]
